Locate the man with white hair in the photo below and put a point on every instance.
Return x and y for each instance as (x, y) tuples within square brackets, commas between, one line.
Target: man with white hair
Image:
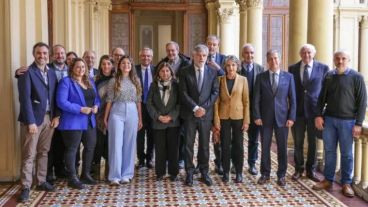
[(308, 75), (341, 111)]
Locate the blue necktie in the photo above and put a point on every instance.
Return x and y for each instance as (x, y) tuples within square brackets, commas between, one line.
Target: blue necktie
[(305, 76), (145, 86)]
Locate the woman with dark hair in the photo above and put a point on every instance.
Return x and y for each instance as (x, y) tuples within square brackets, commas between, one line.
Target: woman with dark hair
[(70, 56), (231, 117), (103, 77), (163, 107), (123, 118), (78, 101)]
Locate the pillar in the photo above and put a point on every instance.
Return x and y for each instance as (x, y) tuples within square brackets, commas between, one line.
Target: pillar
[(320, 28), (298, 22), (243, 24), (364, 181), (254, 27), (357, 160), (212, 17), (363, 53), (226, 19)]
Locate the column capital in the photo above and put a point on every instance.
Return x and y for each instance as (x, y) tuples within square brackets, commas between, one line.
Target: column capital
[(210, 4), (224, 14), (364, 22), (242, 5), (255, 3)]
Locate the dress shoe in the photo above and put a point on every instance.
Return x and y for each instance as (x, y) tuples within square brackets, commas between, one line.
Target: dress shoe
[(297, 175), (149, 165), (219, 170), (45, 186), (189, 180), (347, 190), (323, 185), (313, 176), (263, 179), (206, 179), (159, 178), (76, 184), (253, 170), (87, 179), (24, 195), (239, 178), (140, 165), (281, 181), (225, 177), (173, 178)]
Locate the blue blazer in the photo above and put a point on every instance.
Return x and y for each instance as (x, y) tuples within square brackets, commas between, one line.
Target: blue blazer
[(307, 97), (33, 95), (220, 60), (190, 97), (280, 106), (70, 100)]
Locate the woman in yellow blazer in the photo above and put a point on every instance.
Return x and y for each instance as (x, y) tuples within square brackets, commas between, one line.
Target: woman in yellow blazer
[(231, 117)]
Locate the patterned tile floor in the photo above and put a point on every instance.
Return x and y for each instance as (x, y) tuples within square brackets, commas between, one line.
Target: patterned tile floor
[(145, 191)]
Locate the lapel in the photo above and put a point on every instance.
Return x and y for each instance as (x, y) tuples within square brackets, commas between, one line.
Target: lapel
[(268, 80), (223, 80), (281, 80), (297, 73), (192, 73), (205, 74), (79, 91), (39, 75), (314, 71)]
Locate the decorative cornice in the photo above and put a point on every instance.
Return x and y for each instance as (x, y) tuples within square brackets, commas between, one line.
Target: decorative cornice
[(224, 14), (255, 3), (242, 5)]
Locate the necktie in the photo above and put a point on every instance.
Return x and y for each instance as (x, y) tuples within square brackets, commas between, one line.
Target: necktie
[(248, 69), (305, 76), (274, 84), (200, 80), (145, 86)]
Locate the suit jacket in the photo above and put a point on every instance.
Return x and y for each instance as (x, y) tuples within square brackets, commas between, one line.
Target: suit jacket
[(307, 97), (140, 75), (70, 100), (220, 60), (234, 106), (280, 106), (257, 69), (190, 97), (156, 107), (33, 95)]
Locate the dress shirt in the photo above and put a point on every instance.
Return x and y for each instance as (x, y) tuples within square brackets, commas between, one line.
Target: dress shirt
[(61, 72), (46, 80), (277, 76), (310, 66)]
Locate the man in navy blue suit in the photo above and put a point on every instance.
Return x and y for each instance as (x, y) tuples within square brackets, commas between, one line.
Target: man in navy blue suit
[(274, 110), (199, 88), (308, 75), (38, 117), (146, 73)]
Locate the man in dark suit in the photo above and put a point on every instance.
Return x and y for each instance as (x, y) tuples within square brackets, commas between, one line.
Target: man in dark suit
[(250, 69), (90, 57), (199, 90), (38, 117), (145, 72), (274, 110), (308, 75)]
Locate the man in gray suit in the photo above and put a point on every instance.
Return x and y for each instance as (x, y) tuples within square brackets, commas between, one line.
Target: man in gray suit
[(250, 69), (199, 88)]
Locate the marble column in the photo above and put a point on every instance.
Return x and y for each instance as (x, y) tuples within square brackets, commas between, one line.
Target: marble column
[(254, 26), (357, 160), (243, 23), (320, 29), (212, 17), (364, 180), (363, 44), (298, 27), (226, 18)]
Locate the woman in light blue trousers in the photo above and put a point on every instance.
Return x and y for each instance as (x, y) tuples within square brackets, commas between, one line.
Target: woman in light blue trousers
[(123, 119)]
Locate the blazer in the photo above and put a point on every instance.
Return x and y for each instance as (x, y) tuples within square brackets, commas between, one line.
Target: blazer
[(280, 106), (70, 100), (140, 75), (190, 97), (156, 107), (220, 60), (257, 69), (33, 95), (307, 97), (234, 106)]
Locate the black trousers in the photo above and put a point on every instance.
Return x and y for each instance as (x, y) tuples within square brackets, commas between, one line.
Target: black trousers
[(181, 141), (145, 131), (166, 149), (232, 144), (300, 126), (72, 140), (55, 163), (281, 134), (101, 149), (191, 127), (253, 134)]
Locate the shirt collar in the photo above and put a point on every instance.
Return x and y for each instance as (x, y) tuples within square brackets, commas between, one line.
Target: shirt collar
[(277, 72), (58, 68), (310, 65)]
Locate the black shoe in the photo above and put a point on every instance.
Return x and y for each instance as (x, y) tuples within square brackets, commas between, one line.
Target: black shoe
[(76, 184), (149, 165), (206, 179), (297, 175), (24, 195), (140, 165), (225, 177), (45, 186), (196, 170), (252, 170), (281, 181), (189, 180), (219, 170), (87, 179), (50, 179), (239, 178), (173, 178), (312, 176), (263, 179)]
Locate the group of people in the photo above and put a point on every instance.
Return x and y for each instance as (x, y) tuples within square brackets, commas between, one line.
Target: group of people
[(115, 109)]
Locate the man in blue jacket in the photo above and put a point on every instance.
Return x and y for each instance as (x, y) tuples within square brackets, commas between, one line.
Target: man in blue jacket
[(38, 117)]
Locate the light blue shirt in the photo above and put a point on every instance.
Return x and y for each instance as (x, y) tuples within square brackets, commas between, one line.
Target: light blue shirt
[(276, 76)]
